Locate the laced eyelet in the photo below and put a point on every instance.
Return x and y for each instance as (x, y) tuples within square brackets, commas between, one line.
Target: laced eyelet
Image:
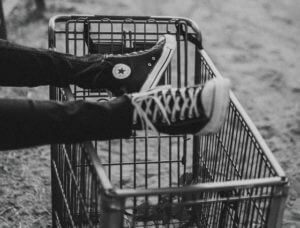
[(166, 106)]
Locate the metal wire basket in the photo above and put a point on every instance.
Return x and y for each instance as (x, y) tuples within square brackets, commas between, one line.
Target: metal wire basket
[(228, 179)]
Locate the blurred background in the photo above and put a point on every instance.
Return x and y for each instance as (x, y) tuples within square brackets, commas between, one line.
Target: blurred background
[(254, 43)]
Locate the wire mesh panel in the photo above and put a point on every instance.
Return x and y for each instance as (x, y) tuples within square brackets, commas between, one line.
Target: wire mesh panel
[(228, 179)]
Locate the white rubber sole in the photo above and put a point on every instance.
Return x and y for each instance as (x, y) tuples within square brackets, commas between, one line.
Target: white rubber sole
[(218, 95), (161, 65)]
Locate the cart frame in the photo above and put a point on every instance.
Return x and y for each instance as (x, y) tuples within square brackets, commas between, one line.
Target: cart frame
[(269, 185)]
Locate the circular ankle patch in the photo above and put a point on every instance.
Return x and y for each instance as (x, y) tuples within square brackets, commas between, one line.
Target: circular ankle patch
[(121, 71)]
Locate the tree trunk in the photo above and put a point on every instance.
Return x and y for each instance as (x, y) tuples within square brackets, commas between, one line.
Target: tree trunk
[(3, 34), (40, 5)]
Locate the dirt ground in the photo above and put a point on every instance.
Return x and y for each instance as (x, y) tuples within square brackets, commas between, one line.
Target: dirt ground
[(254, 43)]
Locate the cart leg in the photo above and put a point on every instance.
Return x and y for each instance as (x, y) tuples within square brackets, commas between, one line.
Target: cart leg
[(111, 212), (277, 207)]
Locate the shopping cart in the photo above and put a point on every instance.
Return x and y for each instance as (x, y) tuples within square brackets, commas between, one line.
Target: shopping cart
[(228, 179)]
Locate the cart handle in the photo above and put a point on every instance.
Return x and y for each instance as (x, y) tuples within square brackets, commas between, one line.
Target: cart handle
[(181, 31)]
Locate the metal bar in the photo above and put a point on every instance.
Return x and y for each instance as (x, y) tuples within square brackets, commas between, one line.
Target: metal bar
[(121, 164), (103, 179), (170, 163), (277, 206), (53, 147), (159, 162), (214, 199), (202, 187), (109, 159)]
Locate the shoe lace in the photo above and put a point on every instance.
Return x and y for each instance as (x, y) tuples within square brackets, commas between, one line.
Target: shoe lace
[(166, 105)]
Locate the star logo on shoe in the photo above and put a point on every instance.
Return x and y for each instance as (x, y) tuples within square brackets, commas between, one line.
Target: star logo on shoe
[(121, 71)]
